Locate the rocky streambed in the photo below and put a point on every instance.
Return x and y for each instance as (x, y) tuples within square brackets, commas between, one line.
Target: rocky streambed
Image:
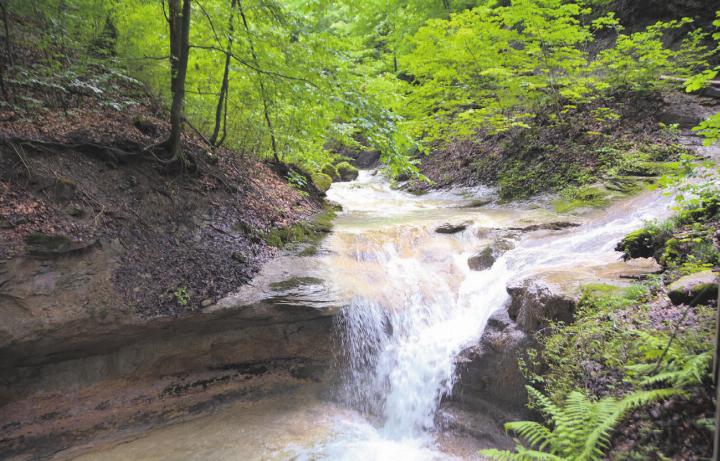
[(398, 339)]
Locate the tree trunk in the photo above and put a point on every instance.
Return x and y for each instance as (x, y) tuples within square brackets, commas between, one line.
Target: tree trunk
[(222, 97), (8, 37), (263, 92), (179, 16)]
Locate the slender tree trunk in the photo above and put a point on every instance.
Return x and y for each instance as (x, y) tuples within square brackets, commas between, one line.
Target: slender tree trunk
[(263, 92), (8, 37), (9, 64), (224, 88), (179, 16), (716, 375)]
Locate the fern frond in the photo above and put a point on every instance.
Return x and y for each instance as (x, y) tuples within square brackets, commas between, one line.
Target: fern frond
[(546, 405), (612, 412), (536, 434), (522, 454)]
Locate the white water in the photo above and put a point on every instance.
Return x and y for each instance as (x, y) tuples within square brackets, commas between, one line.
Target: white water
[(413, 310), (414, 306)]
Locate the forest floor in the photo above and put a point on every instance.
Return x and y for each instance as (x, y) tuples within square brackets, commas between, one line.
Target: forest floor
[(619, 140), (74, 171)]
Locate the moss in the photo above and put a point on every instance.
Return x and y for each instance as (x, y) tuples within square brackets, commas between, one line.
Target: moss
[(650, 168), (307, 232), (322, 181), (647, 242), (330, 170), (294, 282), (346, 171), (580, 197)]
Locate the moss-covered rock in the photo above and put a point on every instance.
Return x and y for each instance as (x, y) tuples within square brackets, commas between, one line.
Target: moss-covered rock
[(346, 171), (330, 170), (645, 243), (693, 289), (306, 233), (322, 181)]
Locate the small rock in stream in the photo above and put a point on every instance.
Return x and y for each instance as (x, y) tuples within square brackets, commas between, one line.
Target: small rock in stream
[(482, 260), (448, 228)]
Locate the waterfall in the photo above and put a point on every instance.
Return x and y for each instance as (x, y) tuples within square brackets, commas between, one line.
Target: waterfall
[(415, 304)]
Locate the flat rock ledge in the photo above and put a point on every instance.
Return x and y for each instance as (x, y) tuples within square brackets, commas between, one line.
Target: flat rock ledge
[(77, 378)]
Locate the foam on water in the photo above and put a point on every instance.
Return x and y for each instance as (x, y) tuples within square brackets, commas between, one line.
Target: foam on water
[(400, 339)]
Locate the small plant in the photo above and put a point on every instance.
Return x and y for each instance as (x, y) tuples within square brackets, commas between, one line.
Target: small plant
[(182, 296), (667, 362), (581, 427), (296, 180)]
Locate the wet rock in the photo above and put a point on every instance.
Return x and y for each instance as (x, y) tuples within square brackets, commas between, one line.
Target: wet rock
[(535, 301), (449, 228), (502, 245), (366, 159), (482, 260), (484, 425), (478, 203), (488, 375), (693, 289), (546, 226)]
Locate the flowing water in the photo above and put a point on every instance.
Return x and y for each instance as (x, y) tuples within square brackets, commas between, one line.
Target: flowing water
[(414, 304)]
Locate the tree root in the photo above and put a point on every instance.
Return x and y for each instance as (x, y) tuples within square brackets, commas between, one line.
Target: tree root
[(106, 153)]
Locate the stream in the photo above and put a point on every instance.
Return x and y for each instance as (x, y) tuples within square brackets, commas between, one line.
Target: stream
[(413, 305)]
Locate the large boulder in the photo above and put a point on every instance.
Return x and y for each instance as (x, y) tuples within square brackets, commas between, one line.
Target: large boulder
[(693, 289), (488, 372), (535, 301)]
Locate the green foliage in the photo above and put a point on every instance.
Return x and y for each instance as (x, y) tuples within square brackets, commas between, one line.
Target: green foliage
[(581, 427), (297, 180), (182, 296), (710, 127), (592, 346), (669, 362)]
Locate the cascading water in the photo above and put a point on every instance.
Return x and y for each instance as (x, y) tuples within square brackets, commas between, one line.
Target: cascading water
[(414, 304), (414, 307)]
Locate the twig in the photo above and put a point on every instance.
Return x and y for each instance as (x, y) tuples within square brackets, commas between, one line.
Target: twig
[(22, 159)]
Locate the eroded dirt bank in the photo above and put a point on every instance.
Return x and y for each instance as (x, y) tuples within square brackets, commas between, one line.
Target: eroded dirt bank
[(116, 275)]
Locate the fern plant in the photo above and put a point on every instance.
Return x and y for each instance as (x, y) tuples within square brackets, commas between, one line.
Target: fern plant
[(581, 427), (668, 363)]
